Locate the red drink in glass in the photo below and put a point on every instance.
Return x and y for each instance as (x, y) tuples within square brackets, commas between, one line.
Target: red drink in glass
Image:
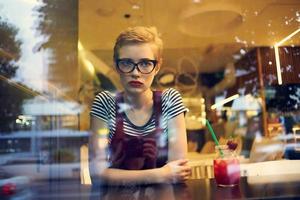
[(227, 171)]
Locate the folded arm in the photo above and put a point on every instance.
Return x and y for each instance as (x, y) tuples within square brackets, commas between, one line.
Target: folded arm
[(174, 171)]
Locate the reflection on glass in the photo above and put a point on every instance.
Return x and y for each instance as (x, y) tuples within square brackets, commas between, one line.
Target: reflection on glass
[(45, 93)]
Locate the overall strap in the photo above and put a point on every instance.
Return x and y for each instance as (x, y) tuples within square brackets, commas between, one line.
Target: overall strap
[(162, 156), (119, 117), (157, 109)]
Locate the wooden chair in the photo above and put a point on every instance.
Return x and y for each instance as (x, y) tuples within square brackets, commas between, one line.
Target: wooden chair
[(266, 149), (201, 169)]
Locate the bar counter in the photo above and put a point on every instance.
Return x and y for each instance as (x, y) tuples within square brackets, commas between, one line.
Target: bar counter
[(260, 187)]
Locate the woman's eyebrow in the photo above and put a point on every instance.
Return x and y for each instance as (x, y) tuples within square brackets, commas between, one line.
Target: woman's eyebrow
[(147, 59), (141, 59), (125, 59)]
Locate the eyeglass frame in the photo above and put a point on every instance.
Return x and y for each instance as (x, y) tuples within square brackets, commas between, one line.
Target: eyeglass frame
[(135, 65)]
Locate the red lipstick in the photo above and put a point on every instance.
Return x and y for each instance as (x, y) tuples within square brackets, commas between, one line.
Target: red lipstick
[(135, 83)]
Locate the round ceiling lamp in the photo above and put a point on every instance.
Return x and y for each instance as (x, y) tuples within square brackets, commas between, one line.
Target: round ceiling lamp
[(212, 19)]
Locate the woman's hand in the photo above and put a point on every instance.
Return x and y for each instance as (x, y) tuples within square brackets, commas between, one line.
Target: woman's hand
[(150, 152), (118, 155), (176, 171)]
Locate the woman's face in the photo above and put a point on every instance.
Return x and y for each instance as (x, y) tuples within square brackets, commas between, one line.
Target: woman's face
[(135, 81)]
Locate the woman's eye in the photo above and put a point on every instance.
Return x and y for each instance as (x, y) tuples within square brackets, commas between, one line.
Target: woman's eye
[(126, 63), (145, 63)]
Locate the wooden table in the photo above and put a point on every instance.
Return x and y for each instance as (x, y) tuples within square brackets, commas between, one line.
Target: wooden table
[(201, 189)]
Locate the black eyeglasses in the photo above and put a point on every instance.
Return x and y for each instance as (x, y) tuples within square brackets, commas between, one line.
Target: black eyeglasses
[(145, 66)]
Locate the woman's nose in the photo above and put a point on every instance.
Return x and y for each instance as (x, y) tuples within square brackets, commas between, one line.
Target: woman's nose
[(135, 72)]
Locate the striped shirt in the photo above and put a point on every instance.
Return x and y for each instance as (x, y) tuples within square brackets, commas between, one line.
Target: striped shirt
[(104, 108)]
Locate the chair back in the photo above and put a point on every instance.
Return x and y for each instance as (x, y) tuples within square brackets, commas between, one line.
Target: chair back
[(201, 169)]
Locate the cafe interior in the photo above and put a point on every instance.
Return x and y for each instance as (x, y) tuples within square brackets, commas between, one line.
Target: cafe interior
[(236, 64)]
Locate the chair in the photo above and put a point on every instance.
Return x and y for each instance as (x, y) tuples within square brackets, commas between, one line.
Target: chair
[(209, 147), (202, 164), (201, 169), (266, 149), (296, 134)]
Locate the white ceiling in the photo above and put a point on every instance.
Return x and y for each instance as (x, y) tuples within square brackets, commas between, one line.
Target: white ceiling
[(206, 32)]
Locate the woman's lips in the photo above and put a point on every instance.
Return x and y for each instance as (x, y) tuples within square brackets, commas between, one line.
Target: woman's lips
[(135, 83)]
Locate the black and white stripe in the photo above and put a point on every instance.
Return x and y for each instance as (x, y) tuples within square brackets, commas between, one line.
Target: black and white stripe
[(104, 108)]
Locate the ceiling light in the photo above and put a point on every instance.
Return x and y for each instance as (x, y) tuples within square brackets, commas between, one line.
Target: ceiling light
[(195, 20), (135, 7), (196, 1), (287, 37), (277, 58), (224, 101), (278, 69)]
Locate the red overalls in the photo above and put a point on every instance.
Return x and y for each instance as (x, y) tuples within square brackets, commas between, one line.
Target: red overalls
[(138, 152)]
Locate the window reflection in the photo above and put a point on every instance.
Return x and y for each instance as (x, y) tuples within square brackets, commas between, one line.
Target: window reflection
[(42, 126), (55, 56)]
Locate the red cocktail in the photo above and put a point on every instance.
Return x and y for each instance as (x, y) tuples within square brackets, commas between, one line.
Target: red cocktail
[(227, 171)]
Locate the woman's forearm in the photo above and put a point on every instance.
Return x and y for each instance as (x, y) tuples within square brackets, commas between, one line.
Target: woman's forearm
[(113, 176)]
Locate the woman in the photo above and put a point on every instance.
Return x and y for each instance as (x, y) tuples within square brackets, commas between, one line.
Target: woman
[(139, 132)]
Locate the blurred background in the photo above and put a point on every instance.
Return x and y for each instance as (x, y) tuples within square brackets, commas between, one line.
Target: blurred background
[(235, 62)]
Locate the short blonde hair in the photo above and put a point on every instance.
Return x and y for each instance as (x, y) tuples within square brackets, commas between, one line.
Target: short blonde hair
[(139, 35)]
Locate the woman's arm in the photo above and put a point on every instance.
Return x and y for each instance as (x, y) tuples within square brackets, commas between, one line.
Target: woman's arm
[(172, 172), (177, 138)]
